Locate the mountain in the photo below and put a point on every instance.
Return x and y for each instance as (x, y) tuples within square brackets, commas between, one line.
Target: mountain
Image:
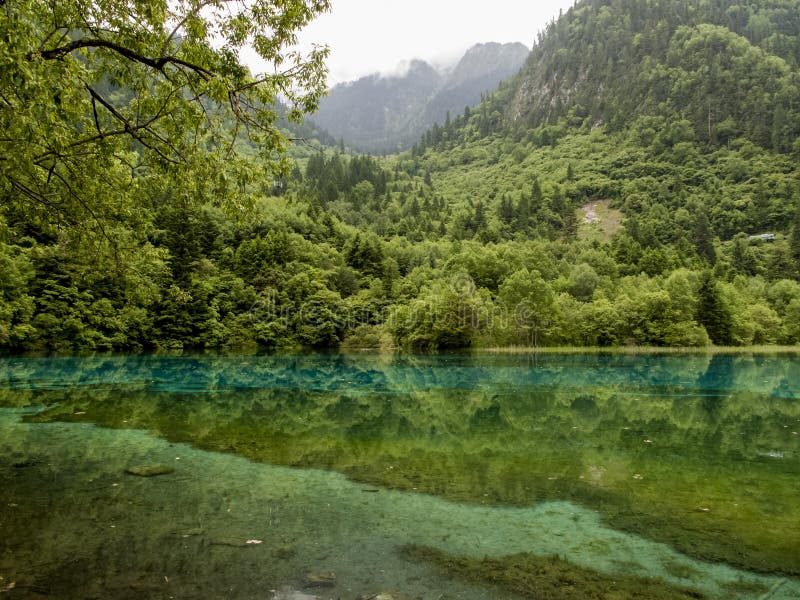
[(683, 116), (380, 113), (383, 114), (729, 68), (480, 71)]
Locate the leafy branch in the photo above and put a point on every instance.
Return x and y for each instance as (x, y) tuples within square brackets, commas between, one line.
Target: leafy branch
[(156, 63)]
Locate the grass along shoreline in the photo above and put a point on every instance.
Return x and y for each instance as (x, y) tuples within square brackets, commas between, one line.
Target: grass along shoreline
[(642, 350)]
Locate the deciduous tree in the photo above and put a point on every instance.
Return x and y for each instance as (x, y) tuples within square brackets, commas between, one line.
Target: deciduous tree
[(95, 94)]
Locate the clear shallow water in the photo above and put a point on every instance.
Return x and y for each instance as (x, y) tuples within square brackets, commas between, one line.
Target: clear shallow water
[(680, 468)]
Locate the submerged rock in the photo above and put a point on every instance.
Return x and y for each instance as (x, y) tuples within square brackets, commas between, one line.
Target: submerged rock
[(384, 596), (235, 542), (149, 470), (186, 533), (320, 579), (22, 461), (289, 594), (585, 404), (284, 552), (8, 587)]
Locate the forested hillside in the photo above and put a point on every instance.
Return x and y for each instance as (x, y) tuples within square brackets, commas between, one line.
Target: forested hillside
[(635, 183), (727, 68)]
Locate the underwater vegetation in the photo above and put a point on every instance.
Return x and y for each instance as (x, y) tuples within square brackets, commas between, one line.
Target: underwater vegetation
[(550, 578)]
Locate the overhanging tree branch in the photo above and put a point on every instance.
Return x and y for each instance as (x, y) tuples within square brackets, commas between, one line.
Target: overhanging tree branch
[(128, 92), (186, 17), (155, 63), (82, 202), (134, 130), (128, 128)]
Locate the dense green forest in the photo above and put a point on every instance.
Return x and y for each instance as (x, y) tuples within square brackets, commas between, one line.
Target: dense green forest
[(636, 183)]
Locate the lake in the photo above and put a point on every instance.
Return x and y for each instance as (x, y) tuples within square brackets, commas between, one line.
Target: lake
[(436, 477)]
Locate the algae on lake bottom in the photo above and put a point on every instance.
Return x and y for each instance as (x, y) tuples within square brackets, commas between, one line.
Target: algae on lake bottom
[(549, 578)]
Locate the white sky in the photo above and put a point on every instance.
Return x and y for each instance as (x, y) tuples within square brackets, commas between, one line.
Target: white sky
[(368, 36)]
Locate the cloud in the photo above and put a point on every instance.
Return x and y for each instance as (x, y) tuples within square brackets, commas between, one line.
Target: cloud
[(367, 37)]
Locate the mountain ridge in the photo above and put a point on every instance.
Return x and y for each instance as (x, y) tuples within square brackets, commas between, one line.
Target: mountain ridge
[(730, 69), (382, 113)]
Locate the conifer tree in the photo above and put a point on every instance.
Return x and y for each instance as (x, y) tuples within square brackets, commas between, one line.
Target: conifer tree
[(712, 312), (794, 239), (703, 239), (536, 196)]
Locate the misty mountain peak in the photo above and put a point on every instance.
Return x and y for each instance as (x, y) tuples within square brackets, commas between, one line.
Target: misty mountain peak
[(482, 60), (388, 112)]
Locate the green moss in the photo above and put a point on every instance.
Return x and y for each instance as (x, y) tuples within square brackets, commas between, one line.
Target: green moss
[(548, 578), (681, 570), (739, 589), (711, 540)]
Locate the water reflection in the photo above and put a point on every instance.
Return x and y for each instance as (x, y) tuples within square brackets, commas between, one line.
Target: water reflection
[(700, 452)]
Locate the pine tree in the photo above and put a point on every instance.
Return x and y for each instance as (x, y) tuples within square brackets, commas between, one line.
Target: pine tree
[(712, 312), (558, 202), (506, 209), (480, 217), (536, 196), (570, 228), (523, 213), (742, 257), (758, 211), (414, 207), (794, 239), (703, 240)]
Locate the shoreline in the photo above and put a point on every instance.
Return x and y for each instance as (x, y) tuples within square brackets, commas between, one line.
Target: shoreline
[(388, 351), (634, 350)]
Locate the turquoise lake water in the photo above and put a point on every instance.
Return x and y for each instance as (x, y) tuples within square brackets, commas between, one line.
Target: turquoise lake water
[(334, 476)]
